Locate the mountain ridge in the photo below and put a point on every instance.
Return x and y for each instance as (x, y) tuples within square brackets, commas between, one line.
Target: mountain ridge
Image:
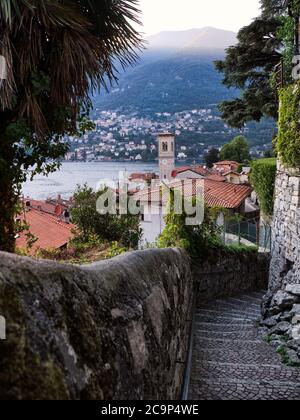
[(203, 38), (175, 75)]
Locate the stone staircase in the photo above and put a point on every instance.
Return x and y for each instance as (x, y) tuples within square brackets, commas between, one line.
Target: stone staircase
[(230, 359)]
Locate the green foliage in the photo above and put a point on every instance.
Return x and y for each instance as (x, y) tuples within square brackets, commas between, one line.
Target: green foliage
[(195, 239), (248, 66), (52, 70), (282, 351), (288, 139), (252, 64), (278, 7), (149, 80), (286, 33), (120, 228), (198, 240), (240, 249), (212, 157), (263, 175), (237, 150), (115, 250)]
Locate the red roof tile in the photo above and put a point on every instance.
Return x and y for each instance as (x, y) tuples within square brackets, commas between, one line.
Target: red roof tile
[(200, 170), (226, 162), (51, 232), (224, 194), (217, 194), (55, 207), (143, 176), (215, 177)]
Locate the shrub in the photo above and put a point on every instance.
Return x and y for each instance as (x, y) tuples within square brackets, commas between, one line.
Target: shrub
[(263, 175), (237, 150), (121, 228), (195, 239), (288, 139)]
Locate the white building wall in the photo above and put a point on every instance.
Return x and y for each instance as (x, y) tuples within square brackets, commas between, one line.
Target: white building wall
[(152, 226)]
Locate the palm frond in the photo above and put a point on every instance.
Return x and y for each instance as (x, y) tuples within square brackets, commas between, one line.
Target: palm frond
[(71, 45)]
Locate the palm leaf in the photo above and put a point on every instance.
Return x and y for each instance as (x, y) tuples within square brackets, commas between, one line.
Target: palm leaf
[(72, 44)]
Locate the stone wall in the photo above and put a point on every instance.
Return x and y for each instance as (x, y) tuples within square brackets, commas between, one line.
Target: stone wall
[(113, 330), (224, 274), (281, 308), (285, 265)]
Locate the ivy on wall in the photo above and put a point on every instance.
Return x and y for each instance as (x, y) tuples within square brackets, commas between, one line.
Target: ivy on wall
[(288, 139), (263, 175)]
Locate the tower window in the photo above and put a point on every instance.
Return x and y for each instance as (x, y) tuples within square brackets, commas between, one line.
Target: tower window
[(165, 147)]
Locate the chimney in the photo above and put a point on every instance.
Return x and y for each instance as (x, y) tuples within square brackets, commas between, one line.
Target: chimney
[(67, 216)]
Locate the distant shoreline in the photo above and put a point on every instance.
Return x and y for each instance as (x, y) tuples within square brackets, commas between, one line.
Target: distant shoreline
[(152, 162)]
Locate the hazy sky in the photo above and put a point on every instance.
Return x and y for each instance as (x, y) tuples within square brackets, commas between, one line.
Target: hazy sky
[(165, 15)]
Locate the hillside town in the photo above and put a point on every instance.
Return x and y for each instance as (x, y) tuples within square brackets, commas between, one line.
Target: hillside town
[(225, 186), (174, 280), (122, 137)]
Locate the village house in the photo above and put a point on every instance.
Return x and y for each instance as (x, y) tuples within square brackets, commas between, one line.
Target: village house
[(232, 197), (48, 222), (226, 166), (190, 172), (49, 231), (142, 178), (216, 189), (57, 207)]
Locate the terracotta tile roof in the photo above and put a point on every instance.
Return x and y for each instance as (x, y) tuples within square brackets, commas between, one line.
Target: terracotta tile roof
[(217, 194), (226, 162), (143, 176), (54, 207), (216, 177), (51, 232), (200, 170), (224, 194), (232, 173)]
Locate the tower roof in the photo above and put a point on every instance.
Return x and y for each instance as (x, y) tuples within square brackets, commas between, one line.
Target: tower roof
[(166, 135)]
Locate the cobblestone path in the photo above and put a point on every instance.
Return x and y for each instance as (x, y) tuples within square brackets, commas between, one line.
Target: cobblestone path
[(231, 361)]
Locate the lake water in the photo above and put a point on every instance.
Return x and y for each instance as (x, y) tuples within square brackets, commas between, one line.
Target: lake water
[(71, 174)]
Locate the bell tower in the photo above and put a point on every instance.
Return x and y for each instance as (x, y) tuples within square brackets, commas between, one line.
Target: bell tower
[(166, 147)]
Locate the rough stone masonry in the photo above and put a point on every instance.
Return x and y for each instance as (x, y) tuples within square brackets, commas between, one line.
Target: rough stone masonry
[(281, 307), (113, 330)]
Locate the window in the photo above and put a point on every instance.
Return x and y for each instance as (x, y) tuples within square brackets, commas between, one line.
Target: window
[(165, 146)]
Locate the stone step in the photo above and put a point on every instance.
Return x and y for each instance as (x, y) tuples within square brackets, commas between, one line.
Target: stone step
[(238, 306), (263, 374), (215, 319), (226, 391), (242, 302), (231, 361), (259, 294), (232, 355), (239, 314), (204, 343), (254, 299), (224, 307), (235, 335), (225, 344), (224, 327), (233, 314)]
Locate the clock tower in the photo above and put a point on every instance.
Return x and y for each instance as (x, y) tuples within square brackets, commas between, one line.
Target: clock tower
[(166, 147)]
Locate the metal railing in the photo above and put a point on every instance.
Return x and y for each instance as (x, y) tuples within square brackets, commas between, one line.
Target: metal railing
[(247, 232)]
